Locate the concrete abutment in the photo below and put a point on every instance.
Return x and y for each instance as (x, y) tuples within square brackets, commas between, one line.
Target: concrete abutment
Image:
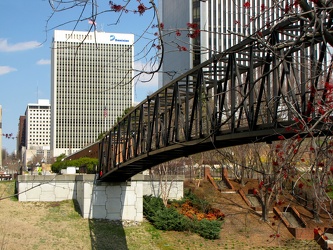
[(98, 200)]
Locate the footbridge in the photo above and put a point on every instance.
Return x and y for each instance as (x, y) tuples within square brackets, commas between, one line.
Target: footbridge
[(272, 84)]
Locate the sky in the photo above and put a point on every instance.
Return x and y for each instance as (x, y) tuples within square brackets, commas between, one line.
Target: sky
[(26, 32)]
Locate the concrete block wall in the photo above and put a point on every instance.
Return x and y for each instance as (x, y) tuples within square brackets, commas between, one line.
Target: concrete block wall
[(46, 187), (113, 201), (154, 186), (99, 200)]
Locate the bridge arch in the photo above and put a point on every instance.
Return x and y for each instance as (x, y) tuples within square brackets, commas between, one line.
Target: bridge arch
[(251, 92)]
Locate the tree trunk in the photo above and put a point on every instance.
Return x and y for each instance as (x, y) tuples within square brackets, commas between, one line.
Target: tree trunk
[(264, 208), (242, 182), (316, 212)]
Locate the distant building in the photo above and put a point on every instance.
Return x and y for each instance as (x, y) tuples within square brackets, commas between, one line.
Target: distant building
[(21, 140), (221, 24), (91, 86), (37, 133)]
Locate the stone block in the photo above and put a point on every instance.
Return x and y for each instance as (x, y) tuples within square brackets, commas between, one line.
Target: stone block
[(48, 196), (129, 199), (129, 213), (99, 198), (139, 205), (34, 194), (113, 205), (114, 216), (97, 212), (87, 191), (113, 191)]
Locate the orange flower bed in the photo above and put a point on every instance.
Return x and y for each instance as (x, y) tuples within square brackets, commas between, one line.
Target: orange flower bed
[(192, 212)]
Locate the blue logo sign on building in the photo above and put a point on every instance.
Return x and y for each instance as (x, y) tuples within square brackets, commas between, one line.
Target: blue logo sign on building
[(113, 38)]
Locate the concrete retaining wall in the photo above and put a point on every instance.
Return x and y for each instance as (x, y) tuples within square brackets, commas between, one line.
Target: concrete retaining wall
[(100, 200), (46, 187), (154, 186)]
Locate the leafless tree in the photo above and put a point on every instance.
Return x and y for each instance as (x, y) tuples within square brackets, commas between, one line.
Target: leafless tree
[(166, 174)]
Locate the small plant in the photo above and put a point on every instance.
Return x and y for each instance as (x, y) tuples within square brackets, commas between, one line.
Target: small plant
[(154, 233)]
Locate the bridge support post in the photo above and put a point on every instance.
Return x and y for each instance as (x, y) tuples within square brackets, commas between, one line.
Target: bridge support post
[(113, 200)]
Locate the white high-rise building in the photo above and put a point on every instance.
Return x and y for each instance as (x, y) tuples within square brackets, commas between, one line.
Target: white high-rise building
[(91, 86), (220, 24), (37, 132)]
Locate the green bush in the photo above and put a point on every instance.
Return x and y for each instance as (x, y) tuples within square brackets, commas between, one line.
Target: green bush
[(87, 162), (209, 229), (165, 218), (169, 219), (57, 166), (151, 205)]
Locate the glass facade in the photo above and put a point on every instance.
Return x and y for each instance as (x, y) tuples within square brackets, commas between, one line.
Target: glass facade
[(222, 24)]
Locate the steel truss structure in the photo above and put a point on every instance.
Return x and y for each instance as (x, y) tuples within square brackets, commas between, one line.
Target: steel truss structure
[(253, 92)]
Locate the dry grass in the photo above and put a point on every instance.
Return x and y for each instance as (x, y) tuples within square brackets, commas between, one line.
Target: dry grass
[(58, 225)]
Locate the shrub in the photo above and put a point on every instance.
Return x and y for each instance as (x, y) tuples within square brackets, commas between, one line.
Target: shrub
[(169, 219), (57, 166), (151, 205), (89, 163), (209, 229)]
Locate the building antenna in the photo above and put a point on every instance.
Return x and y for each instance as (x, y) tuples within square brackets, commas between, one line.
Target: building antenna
[(37, 92)]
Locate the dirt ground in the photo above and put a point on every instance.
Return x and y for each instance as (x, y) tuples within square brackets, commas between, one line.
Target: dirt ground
[(243, 224)]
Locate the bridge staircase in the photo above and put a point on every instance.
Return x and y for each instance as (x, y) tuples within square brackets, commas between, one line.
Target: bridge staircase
[(297, 219)]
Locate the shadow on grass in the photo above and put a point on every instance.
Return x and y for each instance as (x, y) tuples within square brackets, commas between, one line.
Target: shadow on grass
[(107, 234), (104, 234)]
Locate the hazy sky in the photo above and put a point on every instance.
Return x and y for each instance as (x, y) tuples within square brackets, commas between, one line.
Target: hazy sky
[(26, 32)]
